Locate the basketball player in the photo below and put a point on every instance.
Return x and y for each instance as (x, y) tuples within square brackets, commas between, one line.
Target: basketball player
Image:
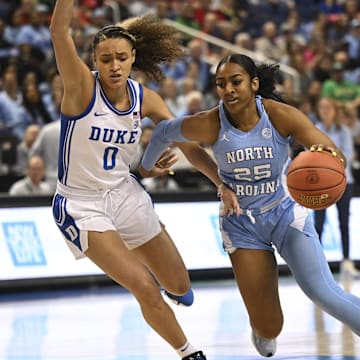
[(329, 122), (100, 208), (249, 132)]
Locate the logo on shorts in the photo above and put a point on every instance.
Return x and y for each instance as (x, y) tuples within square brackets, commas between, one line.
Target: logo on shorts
[(24, 244)]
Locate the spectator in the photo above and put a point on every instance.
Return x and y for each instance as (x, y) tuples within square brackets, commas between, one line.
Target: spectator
[(352, 38), (194, 102), (211, 97), (36, 34), (52, 98), (268, 43), (349, 116), (140, 8), (169, 93), (351, 72), (352, 10), (244, 40), (185, 15), (186, 85), (267, 10), (7, 50), (16, 118), (32, 183), (210, 27), (34, 105), (24, 147), (46, 146), (329, 123), (13, 27), (323, 69), (117, 10), (98, 19), (196, 54), (340, 89), (228, 12)]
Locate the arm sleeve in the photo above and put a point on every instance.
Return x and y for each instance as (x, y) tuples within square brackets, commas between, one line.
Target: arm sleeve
[(165, 133)]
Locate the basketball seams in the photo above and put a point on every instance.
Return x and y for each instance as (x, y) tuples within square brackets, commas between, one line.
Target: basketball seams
[(292, 171), (316, 181)]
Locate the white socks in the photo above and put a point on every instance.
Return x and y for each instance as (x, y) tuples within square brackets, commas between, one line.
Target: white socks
[(186, 349)]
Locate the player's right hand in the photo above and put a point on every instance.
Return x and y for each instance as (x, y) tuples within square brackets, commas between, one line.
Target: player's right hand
[(162, 166)]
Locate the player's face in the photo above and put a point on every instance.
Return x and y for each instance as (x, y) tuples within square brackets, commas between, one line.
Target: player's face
[(234, 87), (114, 59)]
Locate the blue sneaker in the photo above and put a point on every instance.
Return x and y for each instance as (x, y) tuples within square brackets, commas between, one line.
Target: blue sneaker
[(265, 347), (184, 300), (195, 356)]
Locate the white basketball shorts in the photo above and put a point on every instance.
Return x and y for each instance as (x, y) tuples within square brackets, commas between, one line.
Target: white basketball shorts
[(127, 209)]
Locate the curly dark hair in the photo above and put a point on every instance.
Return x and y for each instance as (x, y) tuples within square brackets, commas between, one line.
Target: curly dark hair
[(155, 42)]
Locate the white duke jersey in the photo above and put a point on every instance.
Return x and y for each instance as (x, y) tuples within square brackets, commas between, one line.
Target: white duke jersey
[(97, 146), (253, 163)]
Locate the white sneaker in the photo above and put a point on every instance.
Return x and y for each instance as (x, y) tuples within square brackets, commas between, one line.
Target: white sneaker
[(347, 267), (265, 347)]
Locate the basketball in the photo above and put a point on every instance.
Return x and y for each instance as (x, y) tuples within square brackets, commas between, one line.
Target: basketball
[(316, 179)]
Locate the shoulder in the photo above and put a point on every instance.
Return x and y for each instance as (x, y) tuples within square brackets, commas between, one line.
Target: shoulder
[(154, 106), (283, 116), (278, 110), (17, 187), (149, 93)]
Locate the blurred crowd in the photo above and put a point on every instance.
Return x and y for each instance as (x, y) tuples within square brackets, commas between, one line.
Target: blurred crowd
[(319, 39)]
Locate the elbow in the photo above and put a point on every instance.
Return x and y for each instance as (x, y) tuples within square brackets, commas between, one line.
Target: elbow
[(54, 31), (57, 30)]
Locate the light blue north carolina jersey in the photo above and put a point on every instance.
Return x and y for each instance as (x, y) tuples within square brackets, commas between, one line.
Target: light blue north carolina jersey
[(253, 163), (97, 146)]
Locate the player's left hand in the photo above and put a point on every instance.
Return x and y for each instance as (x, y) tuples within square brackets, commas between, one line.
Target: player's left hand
[(162, 166), (230, 204)]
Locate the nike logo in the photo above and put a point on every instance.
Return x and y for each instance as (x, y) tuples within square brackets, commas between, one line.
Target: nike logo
[(100, 114)]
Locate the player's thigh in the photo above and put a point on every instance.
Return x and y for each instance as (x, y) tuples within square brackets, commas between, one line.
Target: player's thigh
[(163, 258), (256, 274), (107, 250)]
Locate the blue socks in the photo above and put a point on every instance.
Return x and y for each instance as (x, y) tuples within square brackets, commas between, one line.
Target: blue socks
[(185, 300)]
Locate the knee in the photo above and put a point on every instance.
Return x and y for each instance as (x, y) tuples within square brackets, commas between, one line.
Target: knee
[(321, 293), (322, 299), (179, 289), (148, 293)]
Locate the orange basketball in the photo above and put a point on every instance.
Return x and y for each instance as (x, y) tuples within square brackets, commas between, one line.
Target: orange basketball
[(316, 179)]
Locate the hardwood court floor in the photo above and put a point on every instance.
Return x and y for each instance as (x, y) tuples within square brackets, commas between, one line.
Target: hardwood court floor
[(106, 323)]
